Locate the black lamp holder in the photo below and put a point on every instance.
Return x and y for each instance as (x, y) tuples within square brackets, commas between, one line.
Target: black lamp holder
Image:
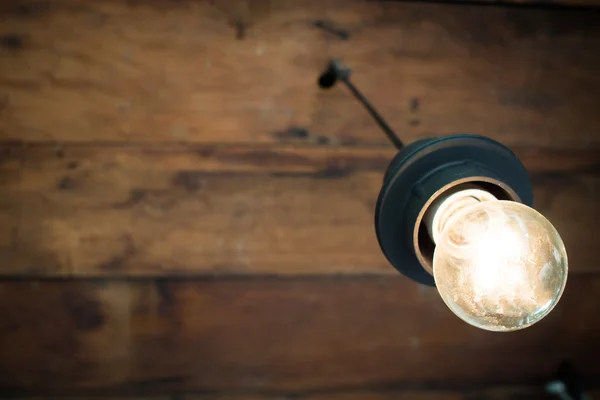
[(424, 170)]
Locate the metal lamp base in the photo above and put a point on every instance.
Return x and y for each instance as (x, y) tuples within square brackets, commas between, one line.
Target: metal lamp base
[(421, 172)]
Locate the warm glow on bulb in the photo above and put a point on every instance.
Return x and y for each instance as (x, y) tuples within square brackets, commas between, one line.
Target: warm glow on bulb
[(498, 265)]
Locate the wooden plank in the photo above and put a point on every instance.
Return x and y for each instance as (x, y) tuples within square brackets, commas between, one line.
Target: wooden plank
[(519, 393), (301, 335), (591, 4), (91, 210), (404, 395), (510, 393), (237, 72)]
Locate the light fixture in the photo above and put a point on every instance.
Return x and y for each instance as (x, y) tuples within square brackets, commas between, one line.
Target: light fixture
[(455, 212)]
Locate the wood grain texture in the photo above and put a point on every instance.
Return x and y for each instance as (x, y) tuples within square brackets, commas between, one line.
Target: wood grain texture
[(502, 393), (561, 4), (92, 210), (261, 336), (181, 153), (243, 72)]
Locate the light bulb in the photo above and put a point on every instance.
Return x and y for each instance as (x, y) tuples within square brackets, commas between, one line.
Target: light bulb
[(498, 265)]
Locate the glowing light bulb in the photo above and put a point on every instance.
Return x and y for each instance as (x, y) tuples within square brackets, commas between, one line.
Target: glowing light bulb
[(498, 265)]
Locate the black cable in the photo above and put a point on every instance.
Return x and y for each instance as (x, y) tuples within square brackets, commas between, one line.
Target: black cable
[(336, 72)]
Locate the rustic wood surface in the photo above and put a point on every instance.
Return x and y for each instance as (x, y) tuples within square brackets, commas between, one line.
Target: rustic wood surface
[(502, 393), (269, 335), (91, 210), (235, 72), (216, 207)]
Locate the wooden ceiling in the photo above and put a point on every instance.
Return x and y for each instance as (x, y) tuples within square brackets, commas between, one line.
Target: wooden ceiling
[(183, 210)]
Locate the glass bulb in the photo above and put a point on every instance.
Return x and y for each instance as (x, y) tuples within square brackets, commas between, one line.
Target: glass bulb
[(498, 265)]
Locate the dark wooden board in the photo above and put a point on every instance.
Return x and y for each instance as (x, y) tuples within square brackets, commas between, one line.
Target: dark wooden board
[(501, 393), (301, 335), (245, 72), (155, 210)]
